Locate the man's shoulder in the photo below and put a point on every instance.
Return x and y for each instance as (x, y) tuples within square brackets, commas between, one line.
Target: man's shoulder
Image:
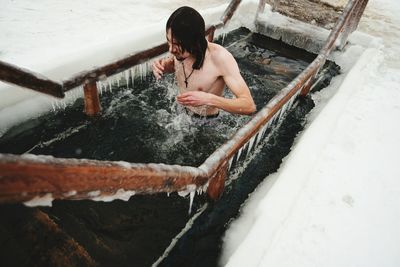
[(219, 53)]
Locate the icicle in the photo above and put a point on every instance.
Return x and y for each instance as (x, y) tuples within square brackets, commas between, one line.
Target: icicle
[(257, 140), (230, 163), (291, 101), (251, 142), (109, 84), (282, 112), (264, 129), (199, 190), (127, 78), (133, 76), (168, 194), (144, 70), (112, 83), (238, 153), (246, 150), (52, 104), (223, 36), (191, 201), (269, 124), (275, 117)]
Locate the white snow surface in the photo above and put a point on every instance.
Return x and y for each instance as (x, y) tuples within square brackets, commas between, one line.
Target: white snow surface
[(335, 201)]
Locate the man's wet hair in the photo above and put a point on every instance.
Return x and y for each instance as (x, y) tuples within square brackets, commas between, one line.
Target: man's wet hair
[(188, 29)]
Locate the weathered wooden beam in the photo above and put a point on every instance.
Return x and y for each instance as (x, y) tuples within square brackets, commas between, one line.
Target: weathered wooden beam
[(24, 177), (230, 10), (28, 79), (115, 67), (210, 33)]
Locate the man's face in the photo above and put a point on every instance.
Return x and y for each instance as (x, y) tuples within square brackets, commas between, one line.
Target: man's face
[(174, 48)]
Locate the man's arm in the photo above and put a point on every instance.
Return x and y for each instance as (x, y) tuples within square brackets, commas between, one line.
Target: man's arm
[(163, 65), (242, 103)]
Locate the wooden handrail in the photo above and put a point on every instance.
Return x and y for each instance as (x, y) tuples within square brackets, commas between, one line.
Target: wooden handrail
[(27, 176), (114, 67), (26, 78), (23, 177), (230, 10)]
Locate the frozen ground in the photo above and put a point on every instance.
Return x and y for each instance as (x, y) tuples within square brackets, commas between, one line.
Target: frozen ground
[(335, 200)]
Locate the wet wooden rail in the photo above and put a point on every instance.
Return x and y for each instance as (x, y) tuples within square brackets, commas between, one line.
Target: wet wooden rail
[(25, 177)]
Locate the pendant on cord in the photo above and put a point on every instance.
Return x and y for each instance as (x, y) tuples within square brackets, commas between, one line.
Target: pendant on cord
[(186, 77)]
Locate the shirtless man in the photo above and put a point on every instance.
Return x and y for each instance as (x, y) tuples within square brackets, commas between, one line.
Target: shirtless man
[(202, 68)]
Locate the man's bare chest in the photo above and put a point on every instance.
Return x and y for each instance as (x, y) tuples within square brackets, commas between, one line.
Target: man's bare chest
[(207, 79)]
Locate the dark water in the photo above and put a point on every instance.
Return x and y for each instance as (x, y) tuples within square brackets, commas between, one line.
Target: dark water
[(144, 124)]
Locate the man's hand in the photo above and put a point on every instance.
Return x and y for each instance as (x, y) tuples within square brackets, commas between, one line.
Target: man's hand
[(163, 65), (158, 68), (195, 98)]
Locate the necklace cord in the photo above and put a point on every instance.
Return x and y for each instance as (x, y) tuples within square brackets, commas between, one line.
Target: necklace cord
[(184, 73)]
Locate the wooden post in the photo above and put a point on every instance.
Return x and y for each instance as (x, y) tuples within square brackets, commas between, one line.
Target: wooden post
[(210, 35), (261, 6), (359, 12), (275, 6), (92, 101)]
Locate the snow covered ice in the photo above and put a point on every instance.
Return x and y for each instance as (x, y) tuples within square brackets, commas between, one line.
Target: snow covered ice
[(336, 199)]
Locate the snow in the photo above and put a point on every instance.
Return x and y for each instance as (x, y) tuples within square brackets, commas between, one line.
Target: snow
[(309, 37), (46, 200), (335, 200), (120, 194)]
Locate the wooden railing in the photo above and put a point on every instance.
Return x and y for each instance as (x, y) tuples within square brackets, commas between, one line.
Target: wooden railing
[(25, 78), (25, 177)]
